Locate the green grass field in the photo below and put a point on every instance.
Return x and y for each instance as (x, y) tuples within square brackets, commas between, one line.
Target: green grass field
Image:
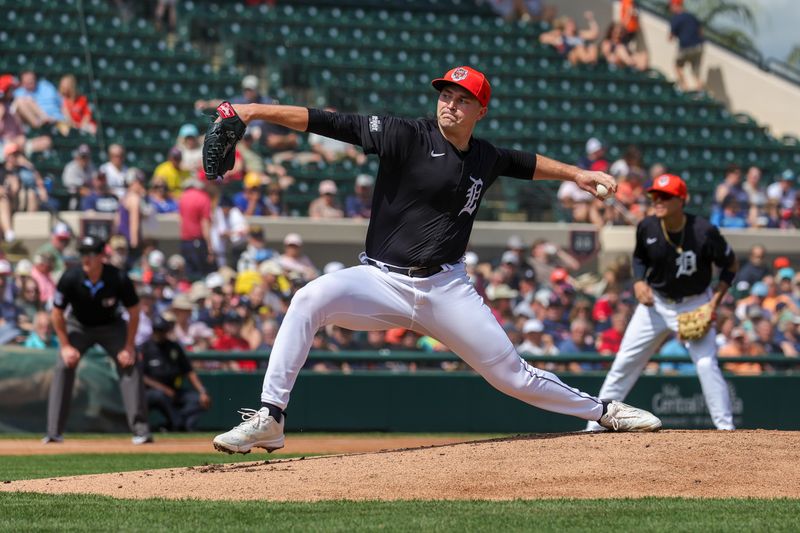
[(37, 512)]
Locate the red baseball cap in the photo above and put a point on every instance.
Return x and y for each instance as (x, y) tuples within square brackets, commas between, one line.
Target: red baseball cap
[(470, 79), (7, 83), (781, 262), (669, 184)]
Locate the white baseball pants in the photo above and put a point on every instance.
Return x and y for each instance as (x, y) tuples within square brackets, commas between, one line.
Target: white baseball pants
[(444, 306), (647, 329)]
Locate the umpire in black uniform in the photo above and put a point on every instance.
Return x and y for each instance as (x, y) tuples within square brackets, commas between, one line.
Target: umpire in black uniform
[(93, 292)]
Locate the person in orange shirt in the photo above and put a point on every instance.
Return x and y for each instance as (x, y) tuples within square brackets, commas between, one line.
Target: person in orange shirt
[(740, 346)]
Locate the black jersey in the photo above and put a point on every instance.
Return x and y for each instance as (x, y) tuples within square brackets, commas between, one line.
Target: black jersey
[(427, 192), (95, 304), (677, 275)]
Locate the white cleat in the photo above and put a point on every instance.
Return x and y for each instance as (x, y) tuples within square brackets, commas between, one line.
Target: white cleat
[(258, 430), (623, 417)]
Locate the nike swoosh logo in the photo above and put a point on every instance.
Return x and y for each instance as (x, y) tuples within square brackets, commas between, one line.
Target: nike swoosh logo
[(433, 154), (651, 240)]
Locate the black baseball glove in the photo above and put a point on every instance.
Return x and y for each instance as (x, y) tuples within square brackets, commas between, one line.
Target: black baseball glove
[(220, 141)]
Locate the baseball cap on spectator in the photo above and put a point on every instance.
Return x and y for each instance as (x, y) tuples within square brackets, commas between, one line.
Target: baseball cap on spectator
[(176, 262), (501, 292), (232, 316), (787, 175), (533, 326), (24, 268), (227, 273), (759, 288), (159, 280), (214, 281), (257, 232), (468, 78), (250, 82), (83, 150), (91, 245), (162, 323), (785, 273), (293, 239), (188, 130), (245, 281), (755, 312), (781, 262), (471, 258), (5, 267), (182, 302), (559, 275), (669, 184), (135, 174), (327, 187), (543, 296), (515, 242), (593, 145), (10, 148), (7, 84), (333, 266), (199, 291), (156, 259), (252, 181), (61, 231), (175, 153), (528, 274), (364, 180), (738, 333), (509, 257), (270, 268)]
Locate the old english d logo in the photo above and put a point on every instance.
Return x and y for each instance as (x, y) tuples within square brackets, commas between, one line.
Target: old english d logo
[(473, 195)]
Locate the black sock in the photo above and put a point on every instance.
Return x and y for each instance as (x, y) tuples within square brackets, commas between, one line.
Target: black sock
[(274, 411), (605, 408)]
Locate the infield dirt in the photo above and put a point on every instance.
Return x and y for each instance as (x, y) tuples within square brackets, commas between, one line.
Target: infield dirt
[(759, 464)]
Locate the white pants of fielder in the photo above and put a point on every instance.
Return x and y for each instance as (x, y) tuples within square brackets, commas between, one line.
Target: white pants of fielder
[(444, 306), (648, 328)]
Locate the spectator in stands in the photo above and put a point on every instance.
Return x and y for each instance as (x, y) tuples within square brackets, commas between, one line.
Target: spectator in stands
[(579, 341), (60, 237), (74, 106), (616, 52), (783, 191), (501, 301), (731, 185), (42, 275), (769, 215), (166, 9), (536, 342), (293, 260), (78, 174), (28, 301), (132, 212), (228, 232), (739, 346), (171, 172), (194, 207), (765, 337), (22, 183), (9, 312), (42, 335), (756, 194), (165, 372), (11, 127), (332, 150), (359, 204), (546, 257), (609, 341), (256, 250), (115, 170), (276, 207), (326, 205), (38, 102), (160, 198), (689, 31), (100, 198), (754, 269), (188, 143), (576, 46), (250, 201), (731, 214), (231, 340), (523, 10), (629, 19), (250, 95)]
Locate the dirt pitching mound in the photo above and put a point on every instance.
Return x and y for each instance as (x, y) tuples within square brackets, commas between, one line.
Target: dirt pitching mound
[(759, 464)]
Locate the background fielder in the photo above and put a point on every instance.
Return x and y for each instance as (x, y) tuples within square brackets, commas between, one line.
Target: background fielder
[(672, 265), (432, 177)]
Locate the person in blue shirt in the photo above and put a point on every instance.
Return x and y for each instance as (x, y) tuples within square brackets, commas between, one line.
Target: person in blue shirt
[(689, 31), (42, 335), (38, 101), (730, 215)]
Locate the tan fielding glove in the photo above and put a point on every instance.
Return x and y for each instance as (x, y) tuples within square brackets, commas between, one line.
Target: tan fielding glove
[(694, 325)]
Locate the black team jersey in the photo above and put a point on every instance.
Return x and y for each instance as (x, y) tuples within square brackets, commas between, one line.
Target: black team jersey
[(427, 192), (676, 275)]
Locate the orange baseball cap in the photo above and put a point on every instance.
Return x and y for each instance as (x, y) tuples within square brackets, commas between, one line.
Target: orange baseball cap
[(781, 262), (470, 79), (669, 184)]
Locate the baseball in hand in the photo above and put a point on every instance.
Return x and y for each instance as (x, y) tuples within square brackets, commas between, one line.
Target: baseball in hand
[(602, 190)]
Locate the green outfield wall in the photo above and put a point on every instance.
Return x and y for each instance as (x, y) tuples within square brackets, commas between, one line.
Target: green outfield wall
[(377, 400)]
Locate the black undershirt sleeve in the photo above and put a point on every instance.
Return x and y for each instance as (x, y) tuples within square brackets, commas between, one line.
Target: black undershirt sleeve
[(639, 256)]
